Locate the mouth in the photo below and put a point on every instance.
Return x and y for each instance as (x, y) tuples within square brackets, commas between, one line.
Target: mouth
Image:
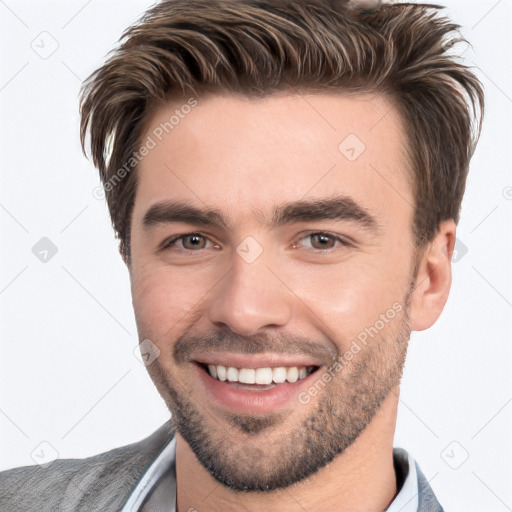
[(253, 390), (257, 378)]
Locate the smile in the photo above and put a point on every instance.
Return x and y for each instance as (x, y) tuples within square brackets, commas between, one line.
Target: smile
[(260, 390), (264, 376)]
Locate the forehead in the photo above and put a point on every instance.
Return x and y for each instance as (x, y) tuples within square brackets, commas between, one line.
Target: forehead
[(246, 156)]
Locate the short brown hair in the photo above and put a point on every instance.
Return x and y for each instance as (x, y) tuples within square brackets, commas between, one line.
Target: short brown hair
[(257, 47)]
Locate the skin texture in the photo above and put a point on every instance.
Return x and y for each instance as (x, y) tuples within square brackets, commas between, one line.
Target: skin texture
[(301, 295)]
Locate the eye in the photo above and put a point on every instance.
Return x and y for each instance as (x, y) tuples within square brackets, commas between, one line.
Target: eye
[(323, 241), (192, 242), (195, 242)]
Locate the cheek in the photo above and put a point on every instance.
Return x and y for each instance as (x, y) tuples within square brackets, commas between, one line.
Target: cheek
[(160, 301), (169, 300), (343, 300)]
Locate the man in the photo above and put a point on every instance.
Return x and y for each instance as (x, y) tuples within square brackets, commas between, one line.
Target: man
[(285, 179)]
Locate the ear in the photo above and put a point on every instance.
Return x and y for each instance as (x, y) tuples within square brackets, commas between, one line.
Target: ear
[(433, 278)]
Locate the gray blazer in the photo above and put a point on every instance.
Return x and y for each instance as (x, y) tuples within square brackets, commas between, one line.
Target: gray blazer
[(105, 481)]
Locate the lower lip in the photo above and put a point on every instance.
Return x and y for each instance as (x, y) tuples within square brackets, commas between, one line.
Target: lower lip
[(257, 401)]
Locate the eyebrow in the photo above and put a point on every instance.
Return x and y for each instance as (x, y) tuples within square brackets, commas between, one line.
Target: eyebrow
[(342, 208)]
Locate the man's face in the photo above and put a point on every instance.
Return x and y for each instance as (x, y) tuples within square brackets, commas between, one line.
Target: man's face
[(307, 259)]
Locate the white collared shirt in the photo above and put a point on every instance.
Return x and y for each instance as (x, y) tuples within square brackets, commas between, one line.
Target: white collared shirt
[(156, 489)]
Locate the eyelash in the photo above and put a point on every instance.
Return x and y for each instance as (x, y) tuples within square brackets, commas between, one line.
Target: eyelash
[(343, 241)]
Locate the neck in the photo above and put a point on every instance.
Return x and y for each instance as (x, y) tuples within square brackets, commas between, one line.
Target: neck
[(361, 479)]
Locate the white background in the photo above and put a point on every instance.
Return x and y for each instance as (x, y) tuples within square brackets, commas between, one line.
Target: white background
[(68, 374)]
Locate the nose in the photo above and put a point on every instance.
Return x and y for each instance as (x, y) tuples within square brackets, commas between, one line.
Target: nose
[(250, 297)]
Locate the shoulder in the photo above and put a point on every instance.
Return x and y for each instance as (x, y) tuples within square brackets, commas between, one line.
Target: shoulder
[(426, 497), (414, 487), (104, 480)]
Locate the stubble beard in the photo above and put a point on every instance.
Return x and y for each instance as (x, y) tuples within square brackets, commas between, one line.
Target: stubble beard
[(244, 453)]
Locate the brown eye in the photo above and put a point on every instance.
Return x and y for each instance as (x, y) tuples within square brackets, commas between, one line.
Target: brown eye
[(322, 241), (191, 242)]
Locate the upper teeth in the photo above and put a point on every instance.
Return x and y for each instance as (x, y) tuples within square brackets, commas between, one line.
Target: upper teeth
[(258, 375)]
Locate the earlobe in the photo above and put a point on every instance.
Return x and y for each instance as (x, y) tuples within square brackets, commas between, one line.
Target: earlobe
[(433, 279)]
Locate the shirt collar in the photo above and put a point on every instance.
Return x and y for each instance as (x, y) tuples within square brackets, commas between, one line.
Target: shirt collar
[(407, 499), (166, 461)]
